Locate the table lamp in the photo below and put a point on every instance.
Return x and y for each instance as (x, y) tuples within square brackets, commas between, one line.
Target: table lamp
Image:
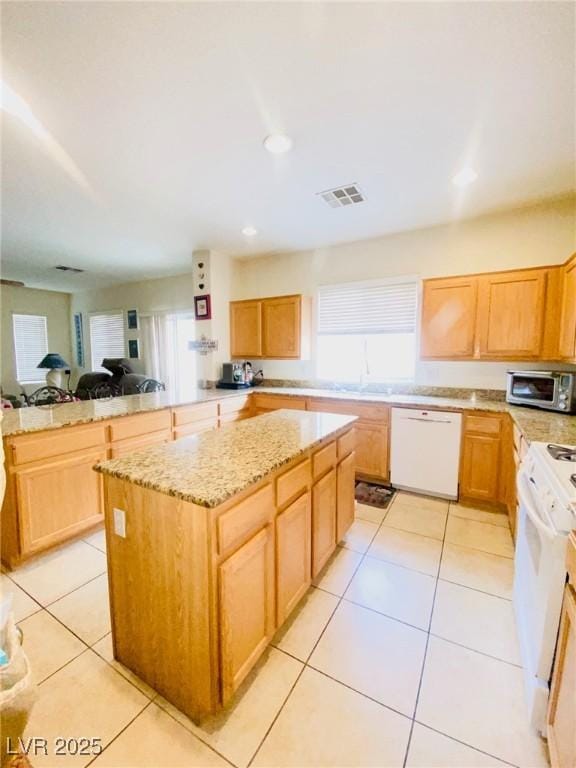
[(57, 365)]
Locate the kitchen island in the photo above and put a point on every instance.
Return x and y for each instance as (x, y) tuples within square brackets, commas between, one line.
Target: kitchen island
[(212, 541)]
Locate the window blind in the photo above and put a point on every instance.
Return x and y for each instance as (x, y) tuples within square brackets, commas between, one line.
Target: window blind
[(363, 308), (30, 346), (106, 337)]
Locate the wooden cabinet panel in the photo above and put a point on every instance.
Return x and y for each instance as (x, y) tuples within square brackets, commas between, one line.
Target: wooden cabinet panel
[(323, 521), (567, 344), (562, 708), (195, 428), (275, 402), (246, 328), (293, 482), (226, 418), (511, 314), (187, 414), (324, 459), (140, 424), (52, 443), (58, 499), (281, 327), (246, 609), (293, 555), (346, 444), (234, 404), (449, 317), (244, 519), (371, 449), (364, 411), (483, 425), (124, 447), (480, 467), (346, 501)]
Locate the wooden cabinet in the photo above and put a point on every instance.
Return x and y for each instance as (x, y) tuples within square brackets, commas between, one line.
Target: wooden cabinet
[(511, 314), (275, 328), (246, 329), (345, 504), (246, 608), (323, 521), (262, 403), (372, 450), (124, 447), (567, 343), (293, 555), (449, 318), (480, 469), (562, 706)]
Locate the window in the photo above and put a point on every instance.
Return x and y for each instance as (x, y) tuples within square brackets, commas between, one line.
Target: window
[(106, 337), (30, 346), (367, 331)]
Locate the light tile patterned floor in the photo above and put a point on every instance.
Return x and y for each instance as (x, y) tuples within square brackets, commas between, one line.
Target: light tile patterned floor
[(403, 654)]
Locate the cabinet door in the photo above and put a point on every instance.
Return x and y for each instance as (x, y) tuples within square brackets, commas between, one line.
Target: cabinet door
[(345, 503), (293, 555), (449, 318), (480, 467), (323, 521), (511, 314), (245, 328), (568, 316), (371, 449), (58, 498), (246, 608), (562, 709), (281, 329)]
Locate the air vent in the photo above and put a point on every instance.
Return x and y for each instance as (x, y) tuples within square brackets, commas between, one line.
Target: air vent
[(351, 194), (62, 268)]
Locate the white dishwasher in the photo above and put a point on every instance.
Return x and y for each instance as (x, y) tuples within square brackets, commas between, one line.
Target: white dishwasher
[(425, 451)]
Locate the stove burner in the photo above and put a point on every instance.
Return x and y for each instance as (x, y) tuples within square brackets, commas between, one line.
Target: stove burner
[(562, 453)]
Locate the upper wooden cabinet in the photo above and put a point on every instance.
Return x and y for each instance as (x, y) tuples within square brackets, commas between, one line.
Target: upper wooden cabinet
[(449, 317), (495, 316), (275, 328), (567, 344)]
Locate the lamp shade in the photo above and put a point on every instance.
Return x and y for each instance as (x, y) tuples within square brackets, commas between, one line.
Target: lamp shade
[(53, 360)]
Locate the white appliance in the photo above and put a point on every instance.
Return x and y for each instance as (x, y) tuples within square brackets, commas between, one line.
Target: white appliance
[(546, 514), (425, 451)]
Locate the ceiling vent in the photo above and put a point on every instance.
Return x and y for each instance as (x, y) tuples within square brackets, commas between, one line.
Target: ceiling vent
[(62, 268), (351, 194)]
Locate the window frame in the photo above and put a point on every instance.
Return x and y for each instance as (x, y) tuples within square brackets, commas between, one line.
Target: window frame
[(40, 377)]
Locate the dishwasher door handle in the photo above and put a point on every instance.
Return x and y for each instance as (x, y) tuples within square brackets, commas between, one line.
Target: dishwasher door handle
[(428, 421)]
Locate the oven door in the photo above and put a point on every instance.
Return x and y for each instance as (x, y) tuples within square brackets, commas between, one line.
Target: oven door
[(539, 578), (533, 388)]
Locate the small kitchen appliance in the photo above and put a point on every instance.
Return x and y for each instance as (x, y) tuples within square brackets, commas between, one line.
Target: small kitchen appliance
[(233, 376), (552, 390), (546, 515)]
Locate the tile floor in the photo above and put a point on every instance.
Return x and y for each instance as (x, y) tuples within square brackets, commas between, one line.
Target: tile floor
[(403, 653)]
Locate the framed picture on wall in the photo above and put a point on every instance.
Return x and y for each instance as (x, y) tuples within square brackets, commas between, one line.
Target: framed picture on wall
[(202, 309), (133, 352), (79, 340), (132, 318)]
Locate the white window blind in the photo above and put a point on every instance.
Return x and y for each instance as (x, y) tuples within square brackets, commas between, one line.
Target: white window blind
[(106, 337), (367, 308), (30, 346)]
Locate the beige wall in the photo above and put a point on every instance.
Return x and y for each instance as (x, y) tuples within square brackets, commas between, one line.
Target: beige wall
[(538, 235), (56, 307)]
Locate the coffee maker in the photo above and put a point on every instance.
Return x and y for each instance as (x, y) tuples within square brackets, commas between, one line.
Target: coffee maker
[(233, 376)]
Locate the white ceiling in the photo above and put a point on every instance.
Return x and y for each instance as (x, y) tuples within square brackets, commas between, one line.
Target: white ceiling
[(154, 116)]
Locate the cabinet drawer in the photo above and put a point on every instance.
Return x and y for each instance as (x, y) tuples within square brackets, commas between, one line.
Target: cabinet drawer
[(243, 520), (323, 460), (195, 427), (141, 424), (226, 418), (274, 402), (483, 425), (189, 413), (293, 482), (234, 404), (346, 444), (365, 411), (56, 442), (124, 447)]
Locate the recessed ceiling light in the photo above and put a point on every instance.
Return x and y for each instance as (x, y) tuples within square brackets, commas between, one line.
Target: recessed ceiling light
[(464, 177), (278, 143), (249, 231)]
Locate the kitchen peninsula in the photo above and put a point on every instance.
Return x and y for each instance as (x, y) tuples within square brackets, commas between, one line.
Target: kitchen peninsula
[(213, 540)]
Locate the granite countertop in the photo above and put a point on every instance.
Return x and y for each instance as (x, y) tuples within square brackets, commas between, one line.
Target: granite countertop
[(18, 421), (209, 468)]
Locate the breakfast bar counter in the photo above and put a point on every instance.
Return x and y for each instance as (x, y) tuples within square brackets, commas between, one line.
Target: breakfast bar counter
[(212, 542)]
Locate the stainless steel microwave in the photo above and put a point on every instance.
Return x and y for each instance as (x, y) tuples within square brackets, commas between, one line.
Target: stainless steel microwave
[(552, 390)]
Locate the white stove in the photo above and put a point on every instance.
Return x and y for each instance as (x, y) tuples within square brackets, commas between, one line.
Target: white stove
[(546, 515)]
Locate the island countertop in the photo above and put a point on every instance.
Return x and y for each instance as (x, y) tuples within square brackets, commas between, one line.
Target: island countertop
[(209, 468)]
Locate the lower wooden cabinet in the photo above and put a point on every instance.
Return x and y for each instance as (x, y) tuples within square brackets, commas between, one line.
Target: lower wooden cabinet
[(480, 463), (323, 521), (124, 447), (293, 555), (246, 608), (372, 449), (562, 707), (345, 495)]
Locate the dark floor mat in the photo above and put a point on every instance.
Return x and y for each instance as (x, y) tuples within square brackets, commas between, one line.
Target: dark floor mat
[(374, 494)]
